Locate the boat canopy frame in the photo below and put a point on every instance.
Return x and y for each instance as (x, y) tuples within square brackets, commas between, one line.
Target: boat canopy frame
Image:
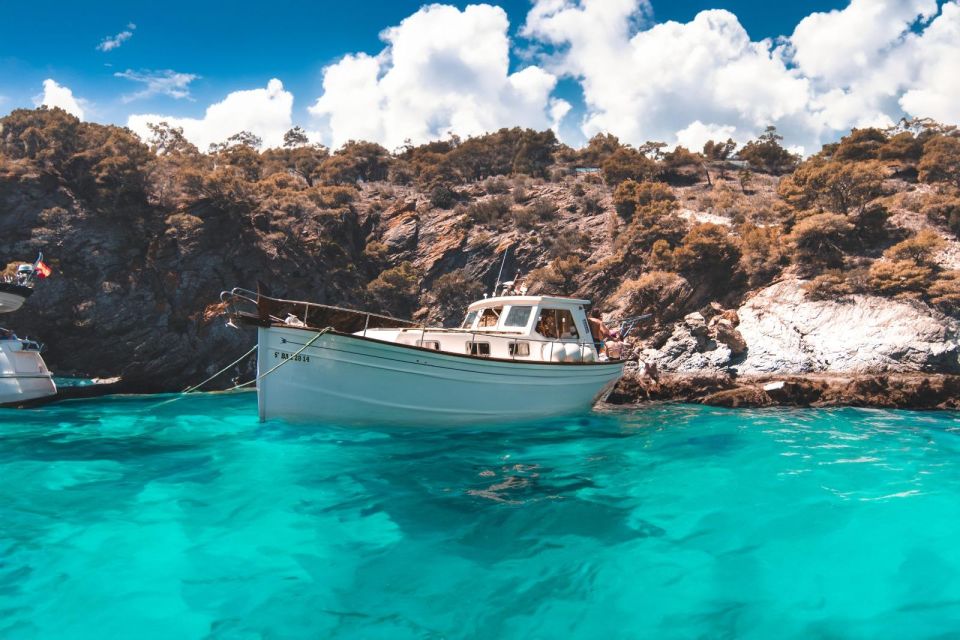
[(300, 314)]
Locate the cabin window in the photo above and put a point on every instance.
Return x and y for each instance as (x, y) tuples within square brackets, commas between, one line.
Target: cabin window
[(557, 324), (468, 321), (519, 349), (489, 317), (517, 317), (429, 344), (478, 348), (565, 324), (547, 323)]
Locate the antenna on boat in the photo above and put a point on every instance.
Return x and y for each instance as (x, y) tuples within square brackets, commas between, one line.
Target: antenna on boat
[(500, 273)]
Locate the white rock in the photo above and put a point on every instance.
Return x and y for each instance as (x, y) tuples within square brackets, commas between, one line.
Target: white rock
[(786, 332)]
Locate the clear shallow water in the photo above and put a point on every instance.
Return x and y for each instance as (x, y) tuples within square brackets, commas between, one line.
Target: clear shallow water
[(194, 521)]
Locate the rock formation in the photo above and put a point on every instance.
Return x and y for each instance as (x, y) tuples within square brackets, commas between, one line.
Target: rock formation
[(779, 279), (787, 332)]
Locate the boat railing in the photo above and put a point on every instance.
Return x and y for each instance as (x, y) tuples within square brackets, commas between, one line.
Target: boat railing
[(19, 280), (31, 345), (271, 309)]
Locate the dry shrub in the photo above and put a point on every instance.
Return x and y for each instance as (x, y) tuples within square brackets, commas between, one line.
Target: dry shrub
[(487, 211), (945, 292), (376, 250), (899, 277), (724, 200), (496, 185), (662, 293), (537, 211), (829, 285), (453, 291), (559, 277), (709, 251), (565, 243), (631, 195), (443, 197), (818, 240), (590, 204), (944, 210), (396, 289), (919, 249), (761, 253), (334, 197)]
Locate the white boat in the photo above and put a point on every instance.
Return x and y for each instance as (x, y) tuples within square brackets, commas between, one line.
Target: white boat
[(513, 358), (13, 295), (23, 373)]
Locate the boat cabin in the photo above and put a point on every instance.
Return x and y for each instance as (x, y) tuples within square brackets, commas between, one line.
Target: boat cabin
[(532, 328)]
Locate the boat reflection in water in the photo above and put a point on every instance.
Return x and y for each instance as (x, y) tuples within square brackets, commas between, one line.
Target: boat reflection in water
[(514, 357)]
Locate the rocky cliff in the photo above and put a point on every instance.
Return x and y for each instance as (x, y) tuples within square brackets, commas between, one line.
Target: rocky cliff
[(759, 272), (780, 330)]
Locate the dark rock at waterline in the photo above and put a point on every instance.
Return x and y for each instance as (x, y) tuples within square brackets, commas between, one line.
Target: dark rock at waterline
[(900, 390)]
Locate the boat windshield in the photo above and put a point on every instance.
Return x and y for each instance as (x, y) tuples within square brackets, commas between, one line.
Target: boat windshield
[(557, 323), (489, 317), (517, 316), (468, 321)]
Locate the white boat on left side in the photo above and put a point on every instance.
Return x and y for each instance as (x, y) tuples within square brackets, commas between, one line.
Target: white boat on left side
[(23, 373)]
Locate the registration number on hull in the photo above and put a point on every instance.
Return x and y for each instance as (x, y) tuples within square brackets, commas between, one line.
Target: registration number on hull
[(283, 355)]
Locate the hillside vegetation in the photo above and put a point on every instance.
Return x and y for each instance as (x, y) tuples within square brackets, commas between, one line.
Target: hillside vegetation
[(143, 235)]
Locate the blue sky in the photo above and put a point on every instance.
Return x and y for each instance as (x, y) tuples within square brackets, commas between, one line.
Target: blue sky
[(242, 45)]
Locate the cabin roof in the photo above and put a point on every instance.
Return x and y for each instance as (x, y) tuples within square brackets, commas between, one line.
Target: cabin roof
[(497, 301)]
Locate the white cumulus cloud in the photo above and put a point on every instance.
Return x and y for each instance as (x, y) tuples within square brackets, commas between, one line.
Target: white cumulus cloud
[(844, 45), (265, 112), (443, 71), (866, 64), (666, 81), (165, 82), (934, 89), (57, 95), (112, 42)]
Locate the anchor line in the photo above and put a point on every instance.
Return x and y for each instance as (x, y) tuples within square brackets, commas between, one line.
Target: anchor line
[(282, 362), (234, 363)]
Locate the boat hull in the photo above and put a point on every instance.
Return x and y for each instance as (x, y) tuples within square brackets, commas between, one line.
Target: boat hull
[(354, 380), (12, 296)]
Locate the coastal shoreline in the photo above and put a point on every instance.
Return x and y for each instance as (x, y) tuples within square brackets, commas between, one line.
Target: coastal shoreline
[(913, 390)]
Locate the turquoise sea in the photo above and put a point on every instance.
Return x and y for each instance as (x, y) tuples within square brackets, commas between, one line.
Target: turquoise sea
[(119, 519)]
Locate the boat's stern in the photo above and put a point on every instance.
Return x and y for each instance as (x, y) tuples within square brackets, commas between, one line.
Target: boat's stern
[(23, 373)]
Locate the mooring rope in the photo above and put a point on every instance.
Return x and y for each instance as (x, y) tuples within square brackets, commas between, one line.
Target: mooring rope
[(232, 364), (189, 390), (282, 362)]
